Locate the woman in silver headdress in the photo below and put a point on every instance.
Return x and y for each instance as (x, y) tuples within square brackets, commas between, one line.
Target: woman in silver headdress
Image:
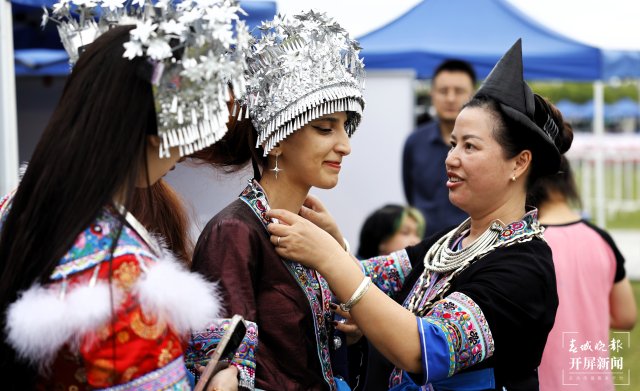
[(475, 311), (304, 100), (89, 298)]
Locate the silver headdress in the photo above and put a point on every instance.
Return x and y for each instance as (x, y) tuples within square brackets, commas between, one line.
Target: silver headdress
[(302, 68), (192, 47)]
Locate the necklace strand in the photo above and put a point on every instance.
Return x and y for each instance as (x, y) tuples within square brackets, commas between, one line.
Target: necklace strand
[(443, 260)]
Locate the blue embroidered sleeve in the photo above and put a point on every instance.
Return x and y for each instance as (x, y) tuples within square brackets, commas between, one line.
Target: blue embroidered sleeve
[(388, 272), (204, 342), (453, 336)]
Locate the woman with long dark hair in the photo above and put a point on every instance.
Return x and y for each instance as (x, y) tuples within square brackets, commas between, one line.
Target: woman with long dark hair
[(89, 298)]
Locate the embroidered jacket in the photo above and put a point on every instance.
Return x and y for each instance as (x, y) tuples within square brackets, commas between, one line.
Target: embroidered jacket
[(288, 302), (127, 335), (489, 329)]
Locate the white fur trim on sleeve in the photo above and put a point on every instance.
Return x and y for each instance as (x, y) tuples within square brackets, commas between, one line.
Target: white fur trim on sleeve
[(39, 323), (184, 299)]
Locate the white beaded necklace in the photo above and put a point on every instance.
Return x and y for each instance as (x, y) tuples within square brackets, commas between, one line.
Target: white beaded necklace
[(442, 259)]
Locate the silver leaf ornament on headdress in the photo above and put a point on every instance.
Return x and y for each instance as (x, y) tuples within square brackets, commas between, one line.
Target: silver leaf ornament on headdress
[(301, 68), (194, 49)]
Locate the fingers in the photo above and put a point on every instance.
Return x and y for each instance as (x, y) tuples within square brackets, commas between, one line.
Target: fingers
[(313, 203), (232, 370), (225, 380), (279, 229), (336, 308), (276, 240), (308, 213), (284, 216), (349, 329)]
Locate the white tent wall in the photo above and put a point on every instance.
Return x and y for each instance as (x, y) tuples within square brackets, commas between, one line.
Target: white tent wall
[(8, 122), (370, 176), (598, 131)]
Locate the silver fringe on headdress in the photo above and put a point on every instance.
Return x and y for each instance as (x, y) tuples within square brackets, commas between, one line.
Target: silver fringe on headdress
[(192, 47), (302, 68)]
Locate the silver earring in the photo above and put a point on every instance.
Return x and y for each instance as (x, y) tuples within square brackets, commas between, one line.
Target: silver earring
[(513, 178), (276, 169)]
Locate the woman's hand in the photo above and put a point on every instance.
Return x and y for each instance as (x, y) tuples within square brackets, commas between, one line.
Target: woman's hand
[(298, 239), (225, 380), (347, 325), (314, 211)]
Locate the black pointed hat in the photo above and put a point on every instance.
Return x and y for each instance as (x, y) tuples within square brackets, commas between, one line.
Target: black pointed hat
[(506, 85)]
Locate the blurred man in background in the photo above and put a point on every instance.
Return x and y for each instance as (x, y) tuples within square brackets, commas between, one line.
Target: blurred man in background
[(423, 172)]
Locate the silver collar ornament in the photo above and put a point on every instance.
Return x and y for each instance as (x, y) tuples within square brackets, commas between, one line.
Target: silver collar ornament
[(195, 53), (302, 67)]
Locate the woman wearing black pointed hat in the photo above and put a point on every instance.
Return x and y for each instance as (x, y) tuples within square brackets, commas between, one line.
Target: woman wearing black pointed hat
[(475, 311)]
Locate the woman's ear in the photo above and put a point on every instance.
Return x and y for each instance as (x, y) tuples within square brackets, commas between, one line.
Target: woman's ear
[(276, 151), (522, 163), (153, 141)]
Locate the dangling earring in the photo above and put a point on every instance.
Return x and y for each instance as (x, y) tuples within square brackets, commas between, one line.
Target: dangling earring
[(513, 178), (276, 169)]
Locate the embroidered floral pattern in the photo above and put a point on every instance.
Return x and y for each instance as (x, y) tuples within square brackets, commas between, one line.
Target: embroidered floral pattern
[(469, 339), (126, 275), (119, 347), (94, 244), (204, 342), (517, 232), (314, 286), (172, 377), (388, 272), (466, 328), (528, 225), (5, 205), (480, 341)]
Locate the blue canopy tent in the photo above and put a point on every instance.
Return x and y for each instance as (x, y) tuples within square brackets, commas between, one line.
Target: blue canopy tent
[(478, 31), (621, 63), (624, 108), (571, 110)]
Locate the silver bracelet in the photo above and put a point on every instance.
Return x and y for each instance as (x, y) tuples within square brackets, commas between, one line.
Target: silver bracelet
[(347, 246), (357, 295)]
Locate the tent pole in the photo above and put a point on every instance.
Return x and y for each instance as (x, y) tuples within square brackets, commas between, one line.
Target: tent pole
[(598, 131), (8, 121)]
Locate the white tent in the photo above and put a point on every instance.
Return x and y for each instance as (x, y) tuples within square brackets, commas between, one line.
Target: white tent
[(8, 123)]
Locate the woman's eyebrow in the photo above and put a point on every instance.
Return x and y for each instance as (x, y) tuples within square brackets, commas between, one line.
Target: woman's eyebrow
[(328, 119)]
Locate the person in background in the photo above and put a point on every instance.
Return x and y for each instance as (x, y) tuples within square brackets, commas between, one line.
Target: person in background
[(390, 228), (425, 150), (594, 292)]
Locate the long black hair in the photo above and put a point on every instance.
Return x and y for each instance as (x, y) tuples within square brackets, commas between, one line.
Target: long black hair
[(92, 149), (562, 183)]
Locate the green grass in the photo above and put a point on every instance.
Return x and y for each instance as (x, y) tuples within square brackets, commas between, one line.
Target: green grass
[(631, 356), (624, 220), (618, 220)]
